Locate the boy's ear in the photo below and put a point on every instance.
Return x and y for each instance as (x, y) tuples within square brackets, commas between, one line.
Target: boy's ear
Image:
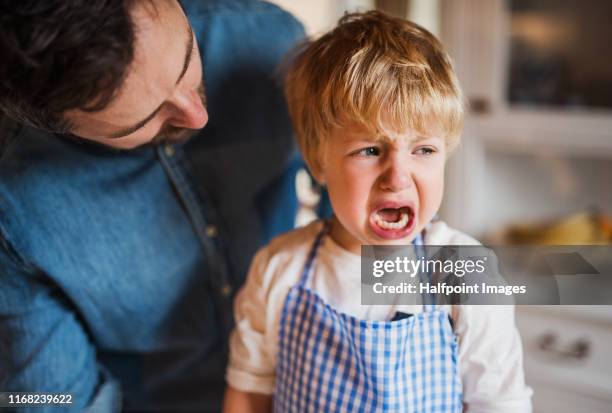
[(318, 174), (318, 169)]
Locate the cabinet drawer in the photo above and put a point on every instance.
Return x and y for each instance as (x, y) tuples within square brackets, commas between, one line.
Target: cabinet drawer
[(567, 359)]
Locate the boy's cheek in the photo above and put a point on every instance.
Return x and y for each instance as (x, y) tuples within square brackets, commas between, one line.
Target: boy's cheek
[(433, 198)]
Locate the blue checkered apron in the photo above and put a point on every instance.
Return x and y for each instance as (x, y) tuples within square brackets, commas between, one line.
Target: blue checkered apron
[(329, 361)]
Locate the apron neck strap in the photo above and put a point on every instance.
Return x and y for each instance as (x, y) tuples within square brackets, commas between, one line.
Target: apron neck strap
[(429, 300), (313, 253)]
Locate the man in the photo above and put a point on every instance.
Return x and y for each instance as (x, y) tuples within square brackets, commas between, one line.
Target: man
[(122, 238)]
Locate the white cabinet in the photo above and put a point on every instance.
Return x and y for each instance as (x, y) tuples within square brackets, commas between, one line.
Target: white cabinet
[(567, 357), (528, 165)]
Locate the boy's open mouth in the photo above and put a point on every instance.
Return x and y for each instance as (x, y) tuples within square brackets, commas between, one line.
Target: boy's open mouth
[(392, 218), (392, 223)]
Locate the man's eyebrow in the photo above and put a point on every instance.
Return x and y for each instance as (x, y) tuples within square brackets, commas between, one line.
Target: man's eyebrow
[(146, 120)]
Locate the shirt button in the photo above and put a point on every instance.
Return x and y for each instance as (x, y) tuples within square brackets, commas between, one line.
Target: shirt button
[(211, 231), (169, 150), (226, 290)]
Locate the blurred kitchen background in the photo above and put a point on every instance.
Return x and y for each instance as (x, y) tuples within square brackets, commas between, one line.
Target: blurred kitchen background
[(535, 163)]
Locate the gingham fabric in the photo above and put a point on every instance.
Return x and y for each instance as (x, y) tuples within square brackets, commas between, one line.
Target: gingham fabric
[(329, 361)]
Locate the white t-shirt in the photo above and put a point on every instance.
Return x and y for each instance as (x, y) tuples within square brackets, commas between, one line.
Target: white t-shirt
[(490, 355)]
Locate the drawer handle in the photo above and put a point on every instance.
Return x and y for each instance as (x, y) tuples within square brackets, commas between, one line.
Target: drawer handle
[(578, 350)]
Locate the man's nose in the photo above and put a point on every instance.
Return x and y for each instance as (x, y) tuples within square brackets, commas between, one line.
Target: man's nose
[(397, 174), (189, 112)]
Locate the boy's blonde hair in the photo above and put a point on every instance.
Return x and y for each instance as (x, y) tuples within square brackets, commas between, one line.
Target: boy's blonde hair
[(383, 73)]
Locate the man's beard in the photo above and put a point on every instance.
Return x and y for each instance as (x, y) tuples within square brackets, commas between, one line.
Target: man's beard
[(172, 134)]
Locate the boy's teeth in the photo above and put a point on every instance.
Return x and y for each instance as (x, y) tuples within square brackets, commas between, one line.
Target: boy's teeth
[(401, 223)]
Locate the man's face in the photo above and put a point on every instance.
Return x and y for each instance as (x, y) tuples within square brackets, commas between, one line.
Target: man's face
[(162, 96), (383, 190)]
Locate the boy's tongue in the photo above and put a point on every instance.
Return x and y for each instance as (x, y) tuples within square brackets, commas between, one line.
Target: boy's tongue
[(389, 214)]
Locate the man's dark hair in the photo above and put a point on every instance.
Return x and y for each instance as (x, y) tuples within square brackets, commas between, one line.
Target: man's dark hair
[(57, 55)]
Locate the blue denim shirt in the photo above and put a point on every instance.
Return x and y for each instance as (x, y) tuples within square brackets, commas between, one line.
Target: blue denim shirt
[(118, 268)]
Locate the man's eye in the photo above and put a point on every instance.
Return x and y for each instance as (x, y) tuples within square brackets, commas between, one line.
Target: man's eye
[(370, 151), (425, 151)]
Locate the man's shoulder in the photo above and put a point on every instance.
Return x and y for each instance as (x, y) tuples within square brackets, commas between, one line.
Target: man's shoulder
[(216, 6), (258, 31), (439, 233), (198, 8)]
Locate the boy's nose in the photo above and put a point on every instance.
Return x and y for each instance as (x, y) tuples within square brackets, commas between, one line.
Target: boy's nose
[(397, 175), (190, 112)]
